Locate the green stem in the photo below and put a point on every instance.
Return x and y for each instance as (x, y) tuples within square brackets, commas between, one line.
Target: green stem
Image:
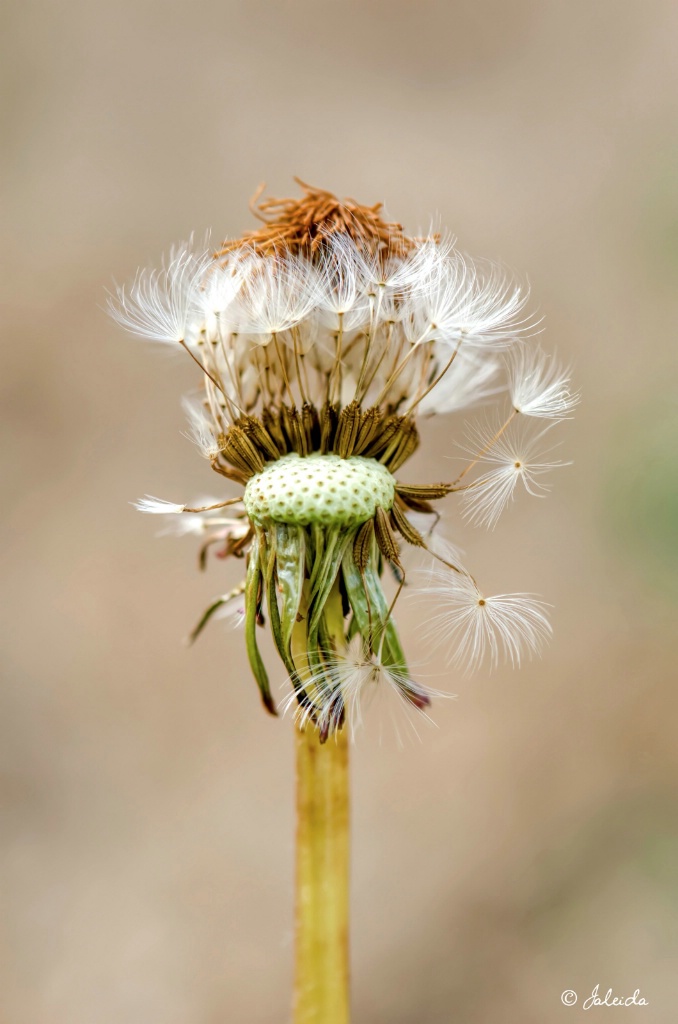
[(322, 884)]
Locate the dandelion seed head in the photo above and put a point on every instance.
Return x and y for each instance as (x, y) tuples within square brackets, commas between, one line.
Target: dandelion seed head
[(323, 337)]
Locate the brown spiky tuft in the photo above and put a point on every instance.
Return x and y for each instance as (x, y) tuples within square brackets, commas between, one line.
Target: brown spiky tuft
[(301, 225)]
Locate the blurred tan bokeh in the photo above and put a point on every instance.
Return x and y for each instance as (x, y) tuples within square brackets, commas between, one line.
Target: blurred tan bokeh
[(527, 844)]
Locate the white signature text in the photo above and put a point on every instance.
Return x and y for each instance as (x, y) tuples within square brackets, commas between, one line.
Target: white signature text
[(569, 998)]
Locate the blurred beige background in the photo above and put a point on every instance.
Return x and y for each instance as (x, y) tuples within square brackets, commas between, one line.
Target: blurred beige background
[(529, 843)]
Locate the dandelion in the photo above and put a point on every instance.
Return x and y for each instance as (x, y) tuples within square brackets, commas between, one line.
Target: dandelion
[(322, 337)]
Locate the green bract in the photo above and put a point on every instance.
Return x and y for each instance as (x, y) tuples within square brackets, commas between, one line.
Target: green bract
[(322, 489)]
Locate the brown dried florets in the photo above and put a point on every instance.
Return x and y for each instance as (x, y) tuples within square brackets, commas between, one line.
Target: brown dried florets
[(300, 226)]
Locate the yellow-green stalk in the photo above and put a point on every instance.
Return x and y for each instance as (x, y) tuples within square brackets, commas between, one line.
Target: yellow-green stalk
[(321, 982)]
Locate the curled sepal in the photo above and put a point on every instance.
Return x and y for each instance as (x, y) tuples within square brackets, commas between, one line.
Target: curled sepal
[(288, 579), (370, 609), (218, 603), (326, 568), (291, 557), (271, 583), (276, 629), (253, 593), (392, 655)]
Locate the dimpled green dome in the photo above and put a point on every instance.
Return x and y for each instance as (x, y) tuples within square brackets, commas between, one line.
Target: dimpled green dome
[(324, 489)]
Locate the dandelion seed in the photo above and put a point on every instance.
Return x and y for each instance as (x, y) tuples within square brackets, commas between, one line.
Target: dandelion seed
[(345, 686), (158, 506), (202, 429), (469, 381), (206, 524), (217, 297), (340, 286), (514, 458), (463, 301), (162, 305), (278, 294), (476, 628), (538, 385)]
